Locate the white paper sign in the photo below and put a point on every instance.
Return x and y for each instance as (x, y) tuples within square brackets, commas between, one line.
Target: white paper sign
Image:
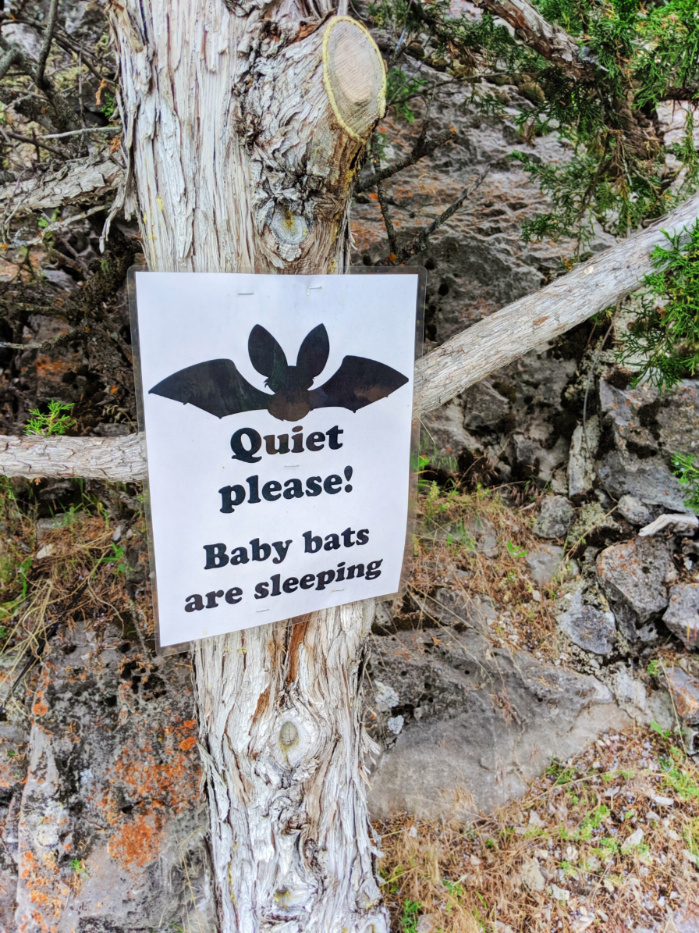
[(277, 412)]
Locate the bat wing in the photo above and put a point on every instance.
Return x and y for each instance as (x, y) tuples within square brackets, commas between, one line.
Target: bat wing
[(357, 383), (215, 386)]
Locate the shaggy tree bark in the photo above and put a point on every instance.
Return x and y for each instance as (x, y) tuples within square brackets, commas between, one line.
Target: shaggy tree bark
[(243, 124)]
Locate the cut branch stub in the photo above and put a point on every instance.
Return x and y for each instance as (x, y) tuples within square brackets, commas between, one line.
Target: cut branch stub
[(303, 147), (354, 76)]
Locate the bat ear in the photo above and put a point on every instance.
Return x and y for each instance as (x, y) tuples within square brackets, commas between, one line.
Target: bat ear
[(313, 352), (266, 355)]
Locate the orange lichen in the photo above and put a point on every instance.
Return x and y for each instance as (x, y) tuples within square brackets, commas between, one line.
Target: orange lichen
[(186, 744), (138, 842)]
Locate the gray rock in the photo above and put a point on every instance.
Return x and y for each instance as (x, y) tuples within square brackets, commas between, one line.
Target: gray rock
[(588, 627), (682, 614), (490, 721), (544, 562), (633, 575), (385, 696), (555, 518), (542, 461), (685, 694), (647, 429), (61, 520), (633, 510), (530, 876), (113, 780), (583, 446)]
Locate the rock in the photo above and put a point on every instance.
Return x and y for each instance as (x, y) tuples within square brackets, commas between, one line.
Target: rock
[(44, 525), (113, 781), (593, 520), (555, 518), (385, 696), (646, 430), (560, 894), (632, 841), (588, 627), (583, 446), (683, 525), (682, 613), (537, 460), (644, 706), (490, 721), (395, 724), (633, 510), (633, 575), (685, 694), (46, 551), (444, 432), (458, 608), (544, 562), (530, 875)]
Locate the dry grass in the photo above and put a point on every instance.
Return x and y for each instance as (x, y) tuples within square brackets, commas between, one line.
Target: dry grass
[(75, 571), (567, 857), (477, 544)]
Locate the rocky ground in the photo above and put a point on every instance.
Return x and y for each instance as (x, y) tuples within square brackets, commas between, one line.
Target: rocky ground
[(534, 694)]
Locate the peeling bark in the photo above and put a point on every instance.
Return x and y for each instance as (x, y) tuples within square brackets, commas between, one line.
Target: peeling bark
[(243, 126), (75, 181)]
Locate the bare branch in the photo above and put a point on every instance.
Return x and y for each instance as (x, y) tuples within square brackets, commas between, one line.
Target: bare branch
[(33, 141), (419, 241), (443, 374), (46, 45), (427, 148), (85, 129)]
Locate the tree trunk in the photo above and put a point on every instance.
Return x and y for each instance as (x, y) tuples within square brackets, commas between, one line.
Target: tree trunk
[(243, 126)]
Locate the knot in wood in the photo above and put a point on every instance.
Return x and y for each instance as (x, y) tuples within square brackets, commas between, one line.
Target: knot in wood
[(288, 734)]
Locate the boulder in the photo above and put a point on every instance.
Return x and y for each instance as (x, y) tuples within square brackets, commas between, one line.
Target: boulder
[(113, 786), (587, 626), (479, 723), (682, 614), (555, 518), (632, 575)]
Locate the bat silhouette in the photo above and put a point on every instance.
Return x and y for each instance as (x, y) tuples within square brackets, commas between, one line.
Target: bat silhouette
[(217, 387)]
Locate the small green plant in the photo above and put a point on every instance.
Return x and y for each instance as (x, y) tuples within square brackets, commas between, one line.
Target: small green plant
[(515, 551), (675, 777), (57, 420), (653, 668), (116, 559), (409, 916), (77, 865), (687, 473), (656, 727)]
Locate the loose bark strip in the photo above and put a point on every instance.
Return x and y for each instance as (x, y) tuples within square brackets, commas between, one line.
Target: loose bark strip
[(444, 373), (76, 181)]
